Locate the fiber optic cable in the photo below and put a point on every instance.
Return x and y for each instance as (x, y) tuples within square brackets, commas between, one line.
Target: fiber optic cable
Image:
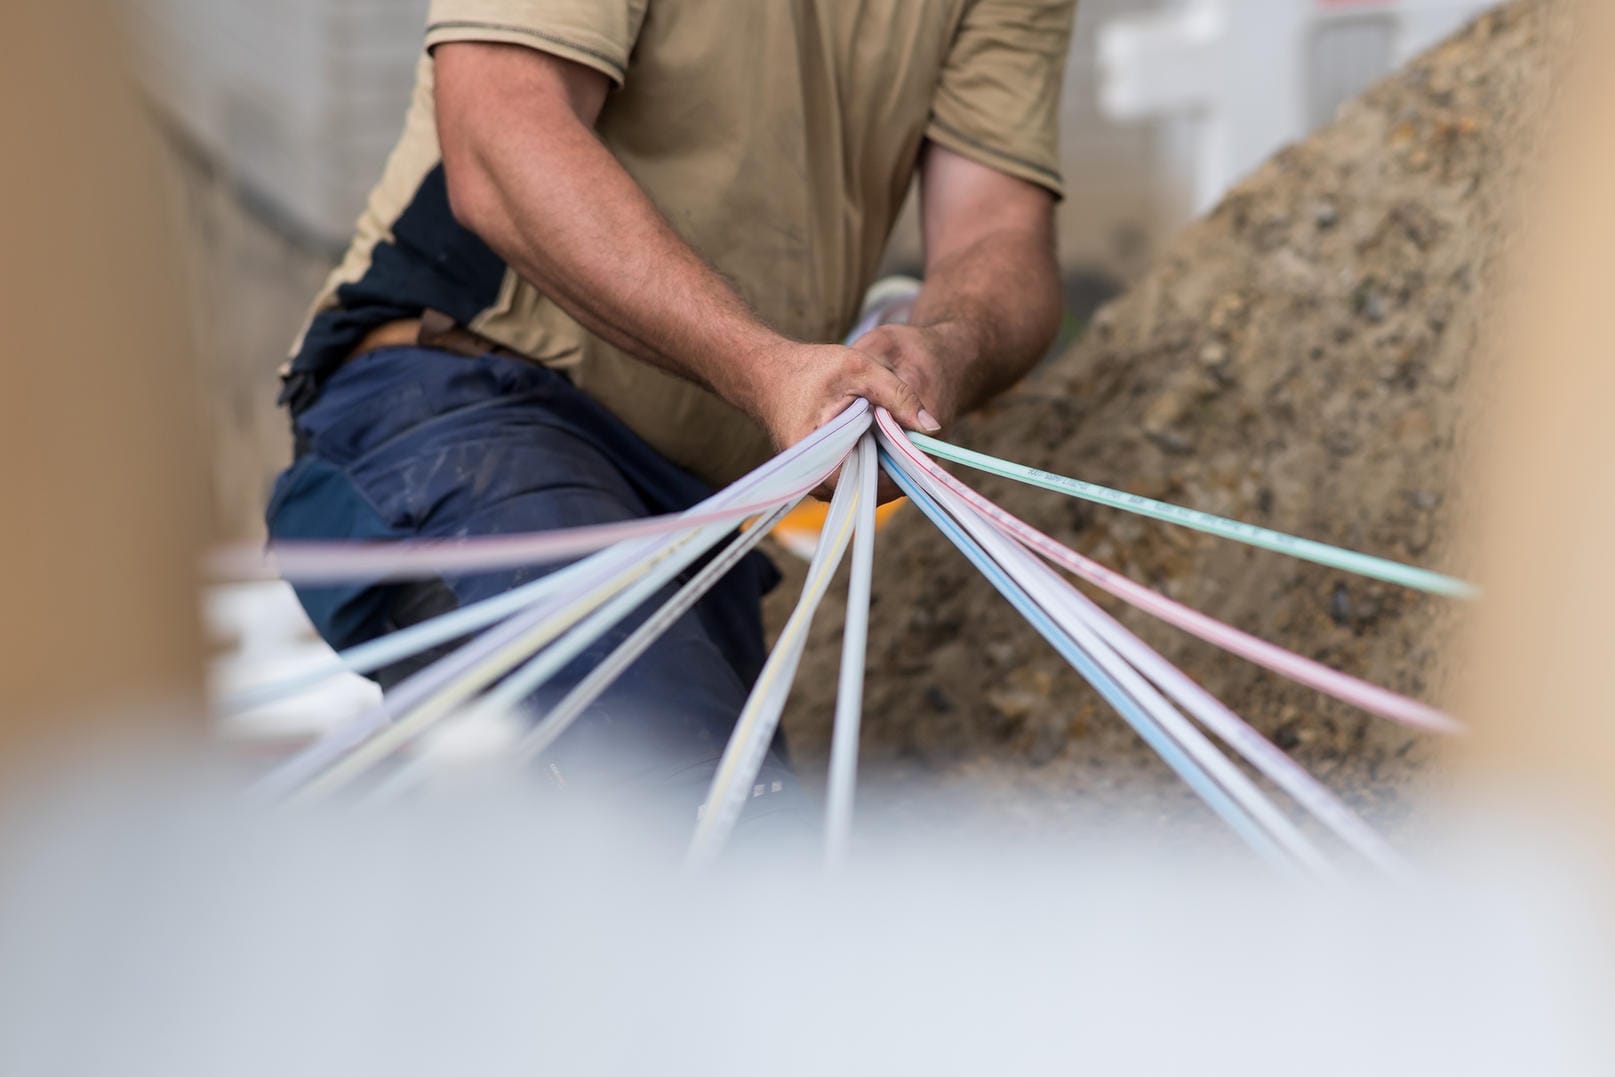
[(1209, 791), (817, 456), (1053, 594), (843, 777), (1322, 553), (587, 690), (1342, 686), (406, 642), (748, 744)]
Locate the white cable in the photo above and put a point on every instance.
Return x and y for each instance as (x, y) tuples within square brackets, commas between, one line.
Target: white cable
[(1238, 734), (1042, 584), (854, 645), (586, 691), (406, 642), (580, 696), (815, 456), (748, 744), (490, 665)]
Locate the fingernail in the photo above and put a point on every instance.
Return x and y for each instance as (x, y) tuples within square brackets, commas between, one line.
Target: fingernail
[(928, 422)]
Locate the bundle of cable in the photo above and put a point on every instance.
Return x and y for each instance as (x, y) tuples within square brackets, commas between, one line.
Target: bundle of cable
[(529, 635)]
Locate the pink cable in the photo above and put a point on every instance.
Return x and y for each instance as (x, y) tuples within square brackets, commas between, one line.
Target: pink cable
[(1342, 686), (328, 562)]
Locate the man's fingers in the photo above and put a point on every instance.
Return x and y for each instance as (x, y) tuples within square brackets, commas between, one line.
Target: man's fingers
[(886, 389)]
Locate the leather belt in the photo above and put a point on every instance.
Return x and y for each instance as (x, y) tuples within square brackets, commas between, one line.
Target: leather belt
[(433, 329)]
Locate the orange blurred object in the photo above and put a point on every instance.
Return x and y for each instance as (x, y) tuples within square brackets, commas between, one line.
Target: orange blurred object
[(799, 531)]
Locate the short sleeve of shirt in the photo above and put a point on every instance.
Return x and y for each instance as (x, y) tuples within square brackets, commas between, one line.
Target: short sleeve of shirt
[(998, 98), (596, 33)]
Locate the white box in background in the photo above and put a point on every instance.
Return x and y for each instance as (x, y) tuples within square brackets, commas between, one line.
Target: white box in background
[(1235, 80)]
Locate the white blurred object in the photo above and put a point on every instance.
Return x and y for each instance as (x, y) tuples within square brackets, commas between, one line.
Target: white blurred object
[(1252, 75), (176, 932), (299, 101), (264, 635)]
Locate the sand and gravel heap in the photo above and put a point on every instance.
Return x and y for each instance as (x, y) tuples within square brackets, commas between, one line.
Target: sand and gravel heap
[(1299, 359)]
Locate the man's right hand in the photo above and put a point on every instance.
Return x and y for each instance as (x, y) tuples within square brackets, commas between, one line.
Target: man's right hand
[(793, 389)]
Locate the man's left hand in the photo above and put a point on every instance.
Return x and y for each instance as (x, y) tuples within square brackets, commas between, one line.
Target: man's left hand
[(933, 360), (990, 304)]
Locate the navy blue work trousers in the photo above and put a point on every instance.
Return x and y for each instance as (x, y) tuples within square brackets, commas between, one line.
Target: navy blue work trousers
[(410, 442)]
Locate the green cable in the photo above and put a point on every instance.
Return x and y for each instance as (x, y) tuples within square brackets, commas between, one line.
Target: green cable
[(1322, 553)]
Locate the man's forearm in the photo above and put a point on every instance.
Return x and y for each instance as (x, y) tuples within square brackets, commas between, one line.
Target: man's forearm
[(997, 303), (553, 202)]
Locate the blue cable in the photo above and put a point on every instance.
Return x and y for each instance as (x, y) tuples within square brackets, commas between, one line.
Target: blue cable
[(1146, 727)]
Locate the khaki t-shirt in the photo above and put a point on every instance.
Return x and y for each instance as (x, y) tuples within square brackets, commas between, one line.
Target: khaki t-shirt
[(778, 137)]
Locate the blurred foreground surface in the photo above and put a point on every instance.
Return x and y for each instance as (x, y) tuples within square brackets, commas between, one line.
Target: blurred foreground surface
[(157, 926)]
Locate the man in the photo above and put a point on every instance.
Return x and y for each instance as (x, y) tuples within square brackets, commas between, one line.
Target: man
[(601, 274)]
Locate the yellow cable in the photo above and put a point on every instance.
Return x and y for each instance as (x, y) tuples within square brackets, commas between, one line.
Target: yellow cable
[(702, 845)]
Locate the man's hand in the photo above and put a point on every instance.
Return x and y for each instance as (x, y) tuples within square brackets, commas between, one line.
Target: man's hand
[(793, 389), (797, 388), (934, 360), (990, 303)]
